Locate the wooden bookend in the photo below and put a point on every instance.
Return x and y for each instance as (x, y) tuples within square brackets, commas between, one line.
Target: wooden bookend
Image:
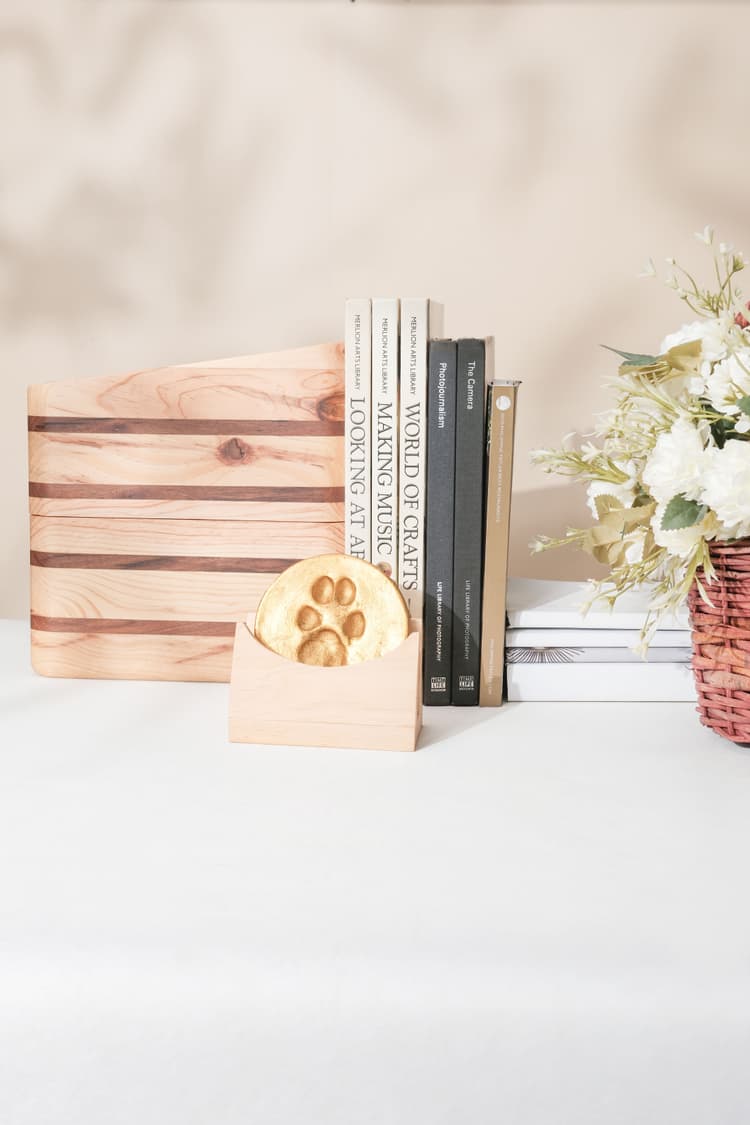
[(376, 705), (164, 502)]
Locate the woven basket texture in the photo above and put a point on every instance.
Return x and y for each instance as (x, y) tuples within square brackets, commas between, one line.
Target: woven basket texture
[(721, 643)]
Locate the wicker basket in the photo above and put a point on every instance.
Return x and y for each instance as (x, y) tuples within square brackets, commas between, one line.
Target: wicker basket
[(721, 643)]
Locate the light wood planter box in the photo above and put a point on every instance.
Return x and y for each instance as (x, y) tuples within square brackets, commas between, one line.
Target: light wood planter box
[(376, 705), (163, 503)]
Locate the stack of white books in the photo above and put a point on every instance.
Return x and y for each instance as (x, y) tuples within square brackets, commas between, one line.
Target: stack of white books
[(554, 652)]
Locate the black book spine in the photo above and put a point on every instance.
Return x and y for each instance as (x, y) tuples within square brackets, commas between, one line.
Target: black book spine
[(468, 522), (441, 472)]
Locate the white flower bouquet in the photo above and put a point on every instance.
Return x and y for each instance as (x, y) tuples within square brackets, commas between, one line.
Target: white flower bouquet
[(668, 471)]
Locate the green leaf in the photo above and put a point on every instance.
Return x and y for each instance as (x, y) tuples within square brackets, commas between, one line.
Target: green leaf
[(681, 512), (721, 429), (635, 359), (744, 404)]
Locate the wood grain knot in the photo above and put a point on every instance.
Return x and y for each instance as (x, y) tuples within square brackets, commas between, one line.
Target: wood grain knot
[(234, 452), (331, 408)]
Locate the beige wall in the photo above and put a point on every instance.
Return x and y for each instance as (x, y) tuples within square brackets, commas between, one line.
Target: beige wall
[(183, 180)]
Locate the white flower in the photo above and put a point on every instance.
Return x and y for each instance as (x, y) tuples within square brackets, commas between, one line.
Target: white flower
[(742, 425), (726, 488), (728, 381), (636, 541), (712, 333), (625, 493), (706, 235), (683, 540), (676, 463), (649, 270)]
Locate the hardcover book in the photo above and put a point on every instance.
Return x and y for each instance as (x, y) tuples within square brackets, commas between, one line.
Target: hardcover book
[(420, 319), (626, 639), (501, 418), (357, 425), (441, 468), (540, 603), (583, 653), (385, 318), (637, 682), (468, 521)]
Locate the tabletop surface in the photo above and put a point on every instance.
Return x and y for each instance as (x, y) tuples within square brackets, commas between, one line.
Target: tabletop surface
[(542, 916)]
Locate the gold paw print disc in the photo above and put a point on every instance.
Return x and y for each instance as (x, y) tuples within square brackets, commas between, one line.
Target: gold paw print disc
[(332, 610)]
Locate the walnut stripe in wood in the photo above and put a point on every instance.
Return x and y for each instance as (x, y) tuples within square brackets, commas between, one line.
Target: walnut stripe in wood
[(110, 656), (153, 595), (160, 562), (128, 627), (229, 493), (260, 426), (260, 539)]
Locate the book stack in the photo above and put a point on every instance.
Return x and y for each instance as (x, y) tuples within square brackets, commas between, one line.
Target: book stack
[(428, 471), (554, 652)]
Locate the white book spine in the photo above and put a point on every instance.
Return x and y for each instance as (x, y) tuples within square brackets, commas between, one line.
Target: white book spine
[(635, 682), (594, 638), (385, 426), (357, 429), (415, 332)]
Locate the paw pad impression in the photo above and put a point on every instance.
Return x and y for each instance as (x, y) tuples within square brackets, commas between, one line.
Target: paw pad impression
[(332, 610), (330, 623)]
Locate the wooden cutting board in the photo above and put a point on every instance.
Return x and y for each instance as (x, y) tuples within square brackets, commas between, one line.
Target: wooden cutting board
[(164, 502)]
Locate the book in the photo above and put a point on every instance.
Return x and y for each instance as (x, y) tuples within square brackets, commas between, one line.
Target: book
[(357, 425), (541, 603), (593, 654), (441, 470), (636, 682), (385, 318), (501, 419), (421, 318), (468, 520), (525, 637)]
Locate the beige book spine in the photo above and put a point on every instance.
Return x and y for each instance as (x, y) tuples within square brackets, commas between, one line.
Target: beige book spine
[(501, 419)]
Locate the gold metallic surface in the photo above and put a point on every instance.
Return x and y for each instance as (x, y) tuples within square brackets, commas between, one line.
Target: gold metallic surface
[(332, 610)]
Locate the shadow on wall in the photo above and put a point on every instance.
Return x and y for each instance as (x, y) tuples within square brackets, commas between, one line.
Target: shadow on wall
[(145, 181), (538, 511)]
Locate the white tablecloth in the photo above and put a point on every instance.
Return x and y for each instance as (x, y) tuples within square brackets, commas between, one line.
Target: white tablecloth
[(542, 916)]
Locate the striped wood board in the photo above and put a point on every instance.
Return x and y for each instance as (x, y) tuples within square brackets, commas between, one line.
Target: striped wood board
[(164, 502)]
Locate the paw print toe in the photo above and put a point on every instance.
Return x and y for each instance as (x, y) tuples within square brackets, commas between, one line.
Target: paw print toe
[(353, 625), (308, 618), (322, 590), (346, 591)]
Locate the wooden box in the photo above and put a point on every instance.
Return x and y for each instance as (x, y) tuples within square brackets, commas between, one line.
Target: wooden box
[(376, 705), (163, 503)]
